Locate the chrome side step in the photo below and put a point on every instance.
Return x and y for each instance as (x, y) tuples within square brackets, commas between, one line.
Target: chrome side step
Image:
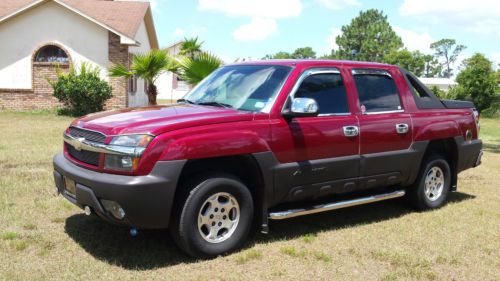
[(334, 206)]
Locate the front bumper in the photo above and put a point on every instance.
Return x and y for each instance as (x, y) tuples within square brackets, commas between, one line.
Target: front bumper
[(147, 200)]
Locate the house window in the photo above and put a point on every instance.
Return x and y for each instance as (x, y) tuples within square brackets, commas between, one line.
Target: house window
[(51, 53), (132, 84)]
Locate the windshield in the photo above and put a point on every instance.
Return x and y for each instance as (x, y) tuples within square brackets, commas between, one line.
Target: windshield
[(242, 87)]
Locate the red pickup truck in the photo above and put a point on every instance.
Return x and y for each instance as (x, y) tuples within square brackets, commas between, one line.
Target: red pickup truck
[(268, 140)]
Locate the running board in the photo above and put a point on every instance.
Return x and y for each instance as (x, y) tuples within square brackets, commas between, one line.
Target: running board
[(334, 206)]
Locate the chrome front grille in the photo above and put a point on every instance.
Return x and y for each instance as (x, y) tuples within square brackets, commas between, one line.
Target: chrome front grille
[(85, 156), (87, 134), (88, 157)]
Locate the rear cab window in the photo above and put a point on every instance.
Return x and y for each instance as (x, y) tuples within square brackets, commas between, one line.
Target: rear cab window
[(377, 91)]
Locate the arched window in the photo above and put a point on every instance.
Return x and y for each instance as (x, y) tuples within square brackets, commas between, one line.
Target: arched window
[(53, 54)]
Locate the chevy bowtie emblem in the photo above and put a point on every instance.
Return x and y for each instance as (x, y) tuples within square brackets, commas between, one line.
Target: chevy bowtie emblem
[(78, 145)]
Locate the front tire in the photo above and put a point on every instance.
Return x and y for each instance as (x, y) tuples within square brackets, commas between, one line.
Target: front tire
[(215, 218), (432, 186)]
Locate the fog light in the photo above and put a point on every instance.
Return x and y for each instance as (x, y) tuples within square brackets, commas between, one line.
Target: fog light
[(87, 211), (120, 162), (114, 208)]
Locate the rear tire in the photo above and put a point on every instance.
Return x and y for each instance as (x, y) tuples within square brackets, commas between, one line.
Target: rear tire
[(432, 186), (215, 217)]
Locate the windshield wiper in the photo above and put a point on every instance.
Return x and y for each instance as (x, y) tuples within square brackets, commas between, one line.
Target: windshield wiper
[(215, 103), (186, 101)]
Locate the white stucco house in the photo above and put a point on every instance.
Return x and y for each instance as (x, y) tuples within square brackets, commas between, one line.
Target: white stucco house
[(170, 86), (442, 83), (38, 36)]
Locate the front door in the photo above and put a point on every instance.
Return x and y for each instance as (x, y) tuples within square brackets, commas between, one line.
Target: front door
[(316, 155)]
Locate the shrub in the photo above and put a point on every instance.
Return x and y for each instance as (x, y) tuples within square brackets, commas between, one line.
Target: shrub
[(81, 91), (493, 111), (438, 92), (477, 82)]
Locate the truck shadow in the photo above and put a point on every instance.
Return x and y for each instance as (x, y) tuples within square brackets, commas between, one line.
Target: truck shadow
[(154, 248), (492, 147)]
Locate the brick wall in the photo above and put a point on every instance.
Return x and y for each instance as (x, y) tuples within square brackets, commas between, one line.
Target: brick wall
[(118, 53), (40, 96)]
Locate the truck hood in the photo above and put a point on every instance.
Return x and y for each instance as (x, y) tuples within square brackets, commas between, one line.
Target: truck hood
[(158, 119)]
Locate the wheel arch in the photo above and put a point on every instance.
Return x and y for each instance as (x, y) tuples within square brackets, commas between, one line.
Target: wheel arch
[(448, 148), (245, 167)]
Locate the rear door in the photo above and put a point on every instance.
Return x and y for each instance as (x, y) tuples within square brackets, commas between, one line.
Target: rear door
[(385, 129)]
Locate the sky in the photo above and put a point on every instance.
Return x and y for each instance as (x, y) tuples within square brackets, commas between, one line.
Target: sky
[(235, 29)]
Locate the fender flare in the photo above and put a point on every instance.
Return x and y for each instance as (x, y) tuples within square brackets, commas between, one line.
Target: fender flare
[(216, 144)]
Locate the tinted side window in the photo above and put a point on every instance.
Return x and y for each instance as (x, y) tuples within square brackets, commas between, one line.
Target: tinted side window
[(377, 92), (327, 90)]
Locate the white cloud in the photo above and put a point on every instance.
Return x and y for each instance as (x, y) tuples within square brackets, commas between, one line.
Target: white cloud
[(269, 9), (193, 31), (179, 32), (154, 4), (332, 45), (495, 57), (415, 41), (481, 16), (338, 4), (258, 29), (263, 14)]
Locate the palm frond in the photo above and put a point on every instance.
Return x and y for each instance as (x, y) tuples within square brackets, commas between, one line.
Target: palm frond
[(173, 65), (151, 64), (195, 69), (190, 47), (120, 70)]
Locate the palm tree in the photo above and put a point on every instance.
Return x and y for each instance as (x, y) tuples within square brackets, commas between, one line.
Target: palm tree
[(194, 69), (148, 66), (190, 47)]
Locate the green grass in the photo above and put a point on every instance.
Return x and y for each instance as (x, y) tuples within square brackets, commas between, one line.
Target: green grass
[(490, 133), (43, 237), (248, 255), (9, 235)]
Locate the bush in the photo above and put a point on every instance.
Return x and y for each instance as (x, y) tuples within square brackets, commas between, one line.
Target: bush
[(477, 82), (493, 111), (81, 92), (438, 92)]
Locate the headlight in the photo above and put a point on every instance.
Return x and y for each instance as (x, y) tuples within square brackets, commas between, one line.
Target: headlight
[(132, 140)]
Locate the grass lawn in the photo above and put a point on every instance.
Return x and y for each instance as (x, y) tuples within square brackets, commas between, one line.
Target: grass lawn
[(43, 237)]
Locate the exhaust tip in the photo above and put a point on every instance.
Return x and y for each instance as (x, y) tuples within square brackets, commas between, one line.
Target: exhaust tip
[(87, 210)]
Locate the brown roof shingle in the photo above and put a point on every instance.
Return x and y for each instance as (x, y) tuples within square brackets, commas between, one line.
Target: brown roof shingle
[(123, 16), (7, 7)]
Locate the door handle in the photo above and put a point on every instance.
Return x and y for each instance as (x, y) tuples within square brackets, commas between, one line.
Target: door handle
[(402, 128), (351, 131)]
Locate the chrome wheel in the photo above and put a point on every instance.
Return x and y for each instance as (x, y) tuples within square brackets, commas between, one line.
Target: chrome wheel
[(434, 183), (218, 217)]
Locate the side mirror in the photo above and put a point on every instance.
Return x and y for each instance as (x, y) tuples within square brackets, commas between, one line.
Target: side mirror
[(302, 107)]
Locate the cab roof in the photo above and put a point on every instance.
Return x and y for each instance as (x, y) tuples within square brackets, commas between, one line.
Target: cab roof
[(313, 62)]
